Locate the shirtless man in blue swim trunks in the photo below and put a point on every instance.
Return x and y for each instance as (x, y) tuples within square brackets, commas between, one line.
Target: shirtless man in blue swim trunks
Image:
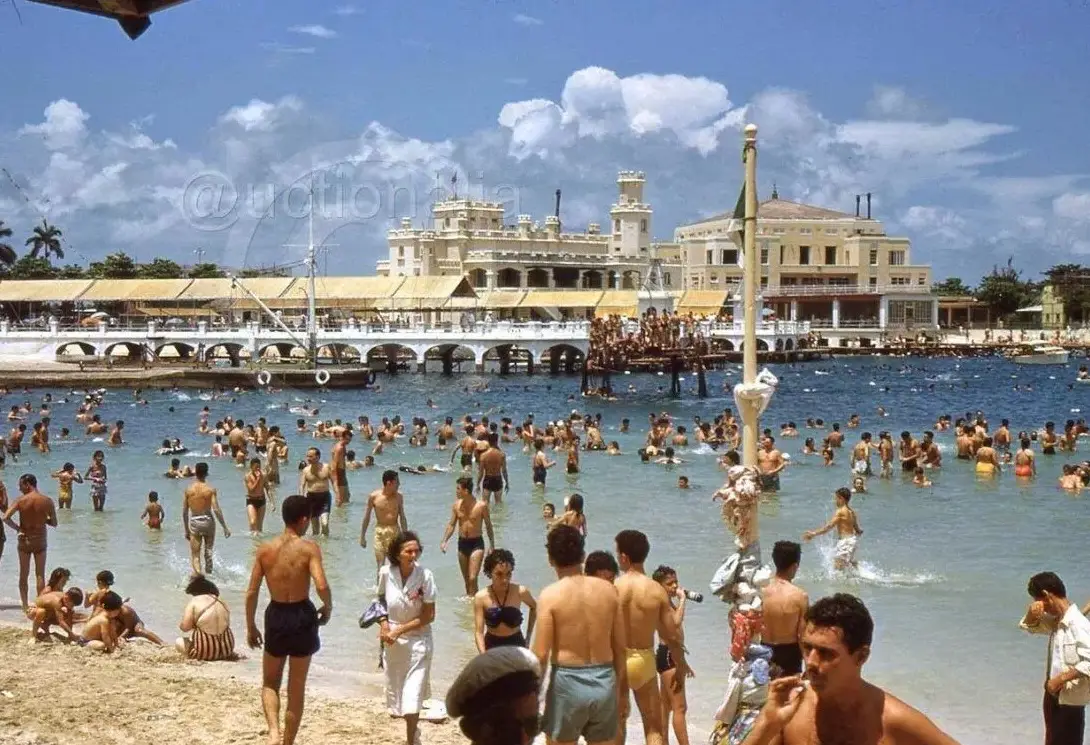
[(580, 634), (467, 517)]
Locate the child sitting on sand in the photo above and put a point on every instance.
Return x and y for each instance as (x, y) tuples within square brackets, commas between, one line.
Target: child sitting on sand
[(153, 513), (55, 608), (100, 633)]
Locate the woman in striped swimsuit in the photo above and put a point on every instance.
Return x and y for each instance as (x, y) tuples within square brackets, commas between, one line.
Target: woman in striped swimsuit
[(209, 621)]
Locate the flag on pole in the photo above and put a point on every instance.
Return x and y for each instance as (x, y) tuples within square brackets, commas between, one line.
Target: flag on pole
[(737, 225)]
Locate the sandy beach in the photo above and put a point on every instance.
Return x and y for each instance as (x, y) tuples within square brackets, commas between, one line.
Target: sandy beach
[(54, 694)]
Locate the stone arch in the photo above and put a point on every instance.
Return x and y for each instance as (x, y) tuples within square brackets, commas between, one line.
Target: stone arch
[(727, 345), (789, 345), (593, 280), (563, 349), (338, 352), (232, 351), (74, 348), (630, 280), (281, 350), (380, 350), (762, 345), (478, 278), (133, 351), (175, 350), (779, 345), (537, 277), (802, 343), (441, 350), (509, 278)]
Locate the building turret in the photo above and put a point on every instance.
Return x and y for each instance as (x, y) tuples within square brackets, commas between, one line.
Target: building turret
[(631, 235)]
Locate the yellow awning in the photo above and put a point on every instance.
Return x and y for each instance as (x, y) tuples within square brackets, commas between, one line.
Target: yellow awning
[(341, 292), (702, 302), (135, 289), (561, 299), (618, 303), (502, 299), (629, 311), (427, 293), (42, 291), (266, 288), (181, 312)]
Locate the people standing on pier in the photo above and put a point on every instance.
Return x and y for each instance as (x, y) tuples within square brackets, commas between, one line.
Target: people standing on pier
[(287, 565), (314, 485), (37, 512), (199, 503), (834, 699), (388, 506), (467, 515)]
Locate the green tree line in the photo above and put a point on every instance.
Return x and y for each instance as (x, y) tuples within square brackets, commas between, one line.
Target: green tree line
[(1005, 290), (44, 245)]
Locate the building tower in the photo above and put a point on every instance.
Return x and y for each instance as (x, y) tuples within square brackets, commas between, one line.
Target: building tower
[(631, 236)]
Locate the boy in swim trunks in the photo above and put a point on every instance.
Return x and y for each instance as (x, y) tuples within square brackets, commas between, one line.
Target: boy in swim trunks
[(55, 608), (153, 514), (646, 610), (847, 526), (389, 508)]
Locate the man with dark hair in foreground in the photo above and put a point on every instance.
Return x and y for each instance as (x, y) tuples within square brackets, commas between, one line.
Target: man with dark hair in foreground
[(831, 704), (287, 564)]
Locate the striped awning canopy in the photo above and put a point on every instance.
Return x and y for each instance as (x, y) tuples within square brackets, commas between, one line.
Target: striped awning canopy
[(135, 289), (618, 303), (702, 302), (266, 288)]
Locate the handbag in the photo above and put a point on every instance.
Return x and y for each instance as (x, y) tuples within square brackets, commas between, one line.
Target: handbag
[(375, 613)]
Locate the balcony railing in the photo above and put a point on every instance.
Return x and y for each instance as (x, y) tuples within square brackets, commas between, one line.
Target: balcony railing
[(831, 290)]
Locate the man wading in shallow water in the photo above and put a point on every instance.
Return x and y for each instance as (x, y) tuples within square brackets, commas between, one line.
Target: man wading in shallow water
[(835, 706), (287, 564)]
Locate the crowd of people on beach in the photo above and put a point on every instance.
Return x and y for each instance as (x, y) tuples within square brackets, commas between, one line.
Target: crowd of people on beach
[(609, 626)]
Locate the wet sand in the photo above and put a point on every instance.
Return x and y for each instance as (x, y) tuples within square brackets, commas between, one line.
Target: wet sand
[(54, 694)]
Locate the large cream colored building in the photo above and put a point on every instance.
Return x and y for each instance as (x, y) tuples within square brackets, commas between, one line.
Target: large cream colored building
[(468, 237), (831, 268)]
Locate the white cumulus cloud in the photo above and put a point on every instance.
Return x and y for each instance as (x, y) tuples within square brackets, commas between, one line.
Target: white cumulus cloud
[(261, 116), (64, 126), (316, 30), (524, 20)]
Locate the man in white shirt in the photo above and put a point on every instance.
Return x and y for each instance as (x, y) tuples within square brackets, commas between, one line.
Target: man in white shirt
[(1067, 685)]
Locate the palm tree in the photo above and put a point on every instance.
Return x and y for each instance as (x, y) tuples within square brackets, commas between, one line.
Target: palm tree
[(45, 241), (7, 253)]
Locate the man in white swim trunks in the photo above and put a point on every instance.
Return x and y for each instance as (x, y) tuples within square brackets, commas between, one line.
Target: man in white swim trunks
[(847, 526), (861, 455), (199, 503)]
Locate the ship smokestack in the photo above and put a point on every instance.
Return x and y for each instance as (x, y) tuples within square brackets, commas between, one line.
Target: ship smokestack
[(857, 198), (868, 205)]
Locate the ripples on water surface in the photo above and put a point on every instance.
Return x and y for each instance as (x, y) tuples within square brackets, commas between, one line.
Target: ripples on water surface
[(943, 570)]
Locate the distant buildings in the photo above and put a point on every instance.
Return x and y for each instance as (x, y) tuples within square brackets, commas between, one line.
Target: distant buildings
[(468, 237), (832, 268)]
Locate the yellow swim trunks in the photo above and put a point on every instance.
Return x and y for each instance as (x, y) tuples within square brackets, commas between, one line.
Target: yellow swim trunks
[(384, 536), (641, 667)]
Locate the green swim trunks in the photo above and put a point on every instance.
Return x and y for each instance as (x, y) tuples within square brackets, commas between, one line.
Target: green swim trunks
[(582, 701)]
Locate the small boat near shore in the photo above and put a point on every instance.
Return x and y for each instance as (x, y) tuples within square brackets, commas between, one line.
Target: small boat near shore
[(1040, 354)]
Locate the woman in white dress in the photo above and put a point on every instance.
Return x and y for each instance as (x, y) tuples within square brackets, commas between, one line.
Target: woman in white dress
[(409, 591)]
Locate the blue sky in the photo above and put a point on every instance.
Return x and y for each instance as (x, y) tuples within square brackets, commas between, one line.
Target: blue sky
[(966, 120)]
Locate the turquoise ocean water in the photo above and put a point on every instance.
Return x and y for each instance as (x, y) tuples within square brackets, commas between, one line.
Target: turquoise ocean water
[(943, 570)]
